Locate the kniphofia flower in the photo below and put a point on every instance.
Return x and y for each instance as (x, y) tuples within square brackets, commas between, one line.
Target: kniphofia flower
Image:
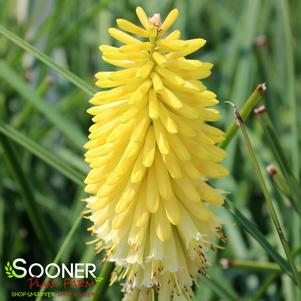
[(151, 154)]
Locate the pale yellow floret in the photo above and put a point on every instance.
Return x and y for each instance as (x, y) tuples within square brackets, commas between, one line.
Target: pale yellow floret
[(152, 192), (161, 137), (142, 17), (171, 99), (162, 225), (145, 70), (190, 47), (170, 19), (172, 165), (144, 46), (132, 28), (175, 35), (122, 36), (157, 82), (121, 63), (149, 147), (159, 59), (172, 45), (134, 56), (170, 76), (153, 105), (163, 179), (167, 120)]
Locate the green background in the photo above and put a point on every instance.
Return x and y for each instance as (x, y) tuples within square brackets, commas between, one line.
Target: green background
[(41, 165)]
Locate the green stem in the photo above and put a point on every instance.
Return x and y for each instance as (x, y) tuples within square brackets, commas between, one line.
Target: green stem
[(256, 265), (251, 102), (279, 154), (62, 249), (102, 286), (267, 197)]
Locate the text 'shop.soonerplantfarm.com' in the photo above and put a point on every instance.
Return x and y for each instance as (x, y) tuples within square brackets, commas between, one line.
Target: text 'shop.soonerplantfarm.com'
[(151, 153)]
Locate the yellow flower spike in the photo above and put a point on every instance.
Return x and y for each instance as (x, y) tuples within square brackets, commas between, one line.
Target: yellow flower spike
[(151, 154)]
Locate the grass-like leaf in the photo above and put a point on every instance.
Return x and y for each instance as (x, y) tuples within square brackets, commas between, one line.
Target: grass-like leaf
[(47, 60), (252, 229), (42, 153), (219, 289), (36, 218), (69, 129)]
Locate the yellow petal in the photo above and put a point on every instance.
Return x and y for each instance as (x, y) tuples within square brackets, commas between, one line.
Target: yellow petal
[(138, 169), (170, 19), (157, 82), (153, 105), (142, 17), (172, 164), (171, 99), (175, 35), (172, 210), (159, 59), (122, 36), (132, 28), (167, 120), (170, 76), (163, 179), (162, 225), (161, 137), (149, 147), (145, 70), (152, 192)]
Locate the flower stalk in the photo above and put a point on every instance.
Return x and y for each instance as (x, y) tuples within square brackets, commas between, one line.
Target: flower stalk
[(279, 154), (251, 265), (249, 105), (269, 202)]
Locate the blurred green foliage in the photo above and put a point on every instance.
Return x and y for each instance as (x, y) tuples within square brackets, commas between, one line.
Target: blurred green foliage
[(249, 42)]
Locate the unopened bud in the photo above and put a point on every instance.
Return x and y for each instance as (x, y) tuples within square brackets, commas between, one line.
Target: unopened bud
[(261, 88), (155, 20), (225, 263), (260, 41), (272, 171), (260, 110)]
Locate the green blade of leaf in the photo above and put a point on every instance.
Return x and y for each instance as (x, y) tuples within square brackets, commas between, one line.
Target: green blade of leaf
[(48, 61), (61, 250), (42, 153), (35, 215), (252, 229), (219, 289), (70, 130)]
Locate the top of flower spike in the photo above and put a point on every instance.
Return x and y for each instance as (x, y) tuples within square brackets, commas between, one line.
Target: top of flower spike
[(149, 24), (155, 20), (152, 29)]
